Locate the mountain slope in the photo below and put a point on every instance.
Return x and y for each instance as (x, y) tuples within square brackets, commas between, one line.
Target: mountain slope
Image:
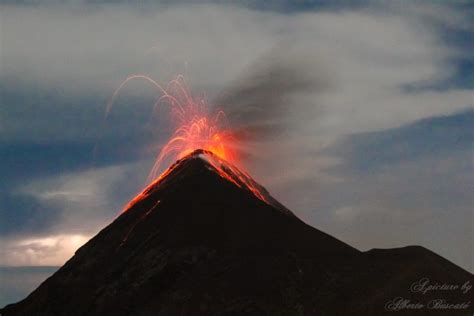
[(206, 239)]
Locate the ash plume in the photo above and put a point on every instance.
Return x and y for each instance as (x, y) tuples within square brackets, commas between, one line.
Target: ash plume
[(269, 95)]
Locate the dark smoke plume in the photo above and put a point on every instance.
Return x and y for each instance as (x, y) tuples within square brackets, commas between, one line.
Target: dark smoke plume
[(264, 100)]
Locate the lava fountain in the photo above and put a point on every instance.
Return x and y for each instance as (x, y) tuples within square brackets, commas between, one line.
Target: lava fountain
[(195, 126)]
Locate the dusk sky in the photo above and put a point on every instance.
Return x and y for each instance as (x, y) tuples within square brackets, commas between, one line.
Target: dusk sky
[(368, 111)]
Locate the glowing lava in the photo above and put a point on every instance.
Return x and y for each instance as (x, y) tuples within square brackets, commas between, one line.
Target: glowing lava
[(196, 130), (195, 126), (221, 167)]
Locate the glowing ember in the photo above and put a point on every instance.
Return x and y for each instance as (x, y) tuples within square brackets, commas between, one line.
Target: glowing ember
[(195, 127), (196, 131)]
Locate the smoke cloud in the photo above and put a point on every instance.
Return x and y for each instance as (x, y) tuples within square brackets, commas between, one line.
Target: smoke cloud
[(260, 101)]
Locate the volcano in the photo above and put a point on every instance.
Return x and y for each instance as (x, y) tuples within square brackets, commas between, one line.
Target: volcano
[(206, 239)]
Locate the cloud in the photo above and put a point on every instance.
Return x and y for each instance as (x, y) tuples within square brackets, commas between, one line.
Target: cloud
[(438, 136), (371, 55), (48, 251), (46, 220), (23, 214), (81, 201), (88, 199), (259, 103), (306, 80)]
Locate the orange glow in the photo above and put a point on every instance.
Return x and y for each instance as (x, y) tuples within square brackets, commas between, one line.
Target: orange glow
[(222, 167), (195, 127), (240, 178)]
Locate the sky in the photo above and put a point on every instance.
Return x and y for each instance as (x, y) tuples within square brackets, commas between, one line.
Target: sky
[(364, 114)]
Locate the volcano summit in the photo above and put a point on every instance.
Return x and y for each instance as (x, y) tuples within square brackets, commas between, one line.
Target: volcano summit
[(206, 239)]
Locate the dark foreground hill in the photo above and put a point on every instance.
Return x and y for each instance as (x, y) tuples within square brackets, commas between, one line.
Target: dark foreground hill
[(205, 239)]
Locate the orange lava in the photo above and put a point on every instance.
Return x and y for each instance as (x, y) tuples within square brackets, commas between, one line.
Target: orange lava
[(195, 127), (240, 178), (222, 167)]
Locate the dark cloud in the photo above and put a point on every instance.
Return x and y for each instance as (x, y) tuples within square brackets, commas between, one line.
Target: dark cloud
[(438, 136), (45, 133), (26, 161), (23, 214)]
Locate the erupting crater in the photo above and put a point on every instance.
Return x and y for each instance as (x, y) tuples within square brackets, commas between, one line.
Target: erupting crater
[(195, 125), (215, 164)]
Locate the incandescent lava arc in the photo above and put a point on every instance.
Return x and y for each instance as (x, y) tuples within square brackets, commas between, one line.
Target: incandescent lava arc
[(195, 125)]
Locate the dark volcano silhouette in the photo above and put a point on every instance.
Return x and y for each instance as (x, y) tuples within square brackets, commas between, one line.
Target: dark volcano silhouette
[(205, 239)]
